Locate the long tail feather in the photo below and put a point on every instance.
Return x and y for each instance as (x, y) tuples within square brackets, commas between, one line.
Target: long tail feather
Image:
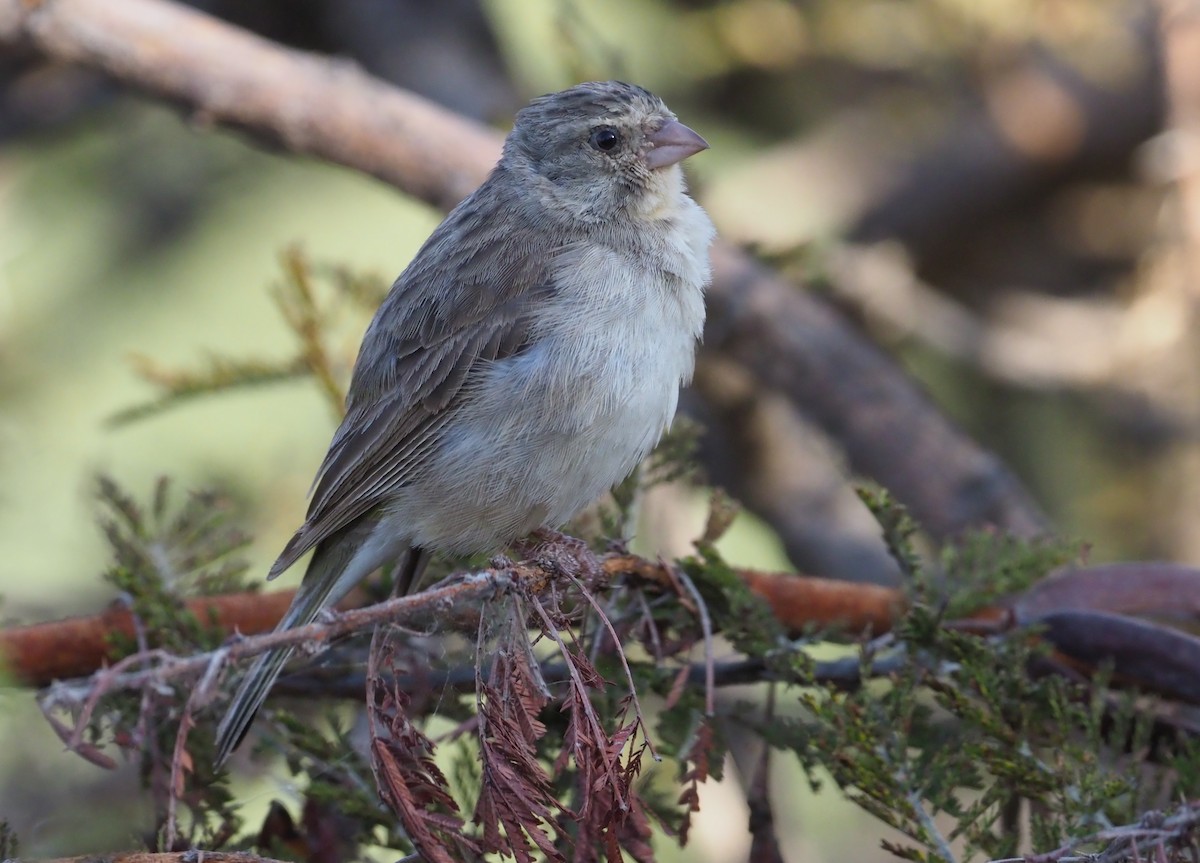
[(324, 584), (311, 598)]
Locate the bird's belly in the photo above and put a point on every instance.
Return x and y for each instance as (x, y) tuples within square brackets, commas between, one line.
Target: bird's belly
[(545, 432), (554, 442)]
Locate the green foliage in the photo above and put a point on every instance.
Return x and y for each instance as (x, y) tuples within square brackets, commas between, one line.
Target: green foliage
[(740, 615), (982, 567), (339, 779), (961, 726), (161, 557), (217, 374), (313, 301), (898, 527)]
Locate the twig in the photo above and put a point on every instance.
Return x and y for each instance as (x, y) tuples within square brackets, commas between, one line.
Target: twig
[(108, 680), (200, 694), (1128, 842), (637, 705), (840, 673), (41, 653), (298, 304), (706, 627), (931, 829), (434, 603)]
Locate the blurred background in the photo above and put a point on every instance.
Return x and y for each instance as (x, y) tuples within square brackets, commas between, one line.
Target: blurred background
[(1002, 194)]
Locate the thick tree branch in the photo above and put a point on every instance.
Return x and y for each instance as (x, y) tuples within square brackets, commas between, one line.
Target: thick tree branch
[(329, 109), (40, 653), (229, 77), (1088, 615)]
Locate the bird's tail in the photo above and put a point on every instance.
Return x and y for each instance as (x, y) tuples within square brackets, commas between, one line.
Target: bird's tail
[(324, 584)]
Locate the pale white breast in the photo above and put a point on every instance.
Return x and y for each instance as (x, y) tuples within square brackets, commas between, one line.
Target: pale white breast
[(551, 429)]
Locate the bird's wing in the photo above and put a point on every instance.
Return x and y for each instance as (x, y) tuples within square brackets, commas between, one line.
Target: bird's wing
[(464, 300)]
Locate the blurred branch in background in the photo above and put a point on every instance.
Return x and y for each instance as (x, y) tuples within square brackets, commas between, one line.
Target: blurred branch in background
[(448, 54), (1037, 121), (759, 447), (1173, 376)]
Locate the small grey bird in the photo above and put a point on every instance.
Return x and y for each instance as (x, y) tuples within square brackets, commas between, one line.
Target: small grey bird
[(527, 359)]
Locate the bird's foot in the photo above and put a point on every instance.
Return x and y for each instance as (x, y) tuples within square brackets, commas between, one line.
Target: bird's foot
[(556, 551), (501, 561)]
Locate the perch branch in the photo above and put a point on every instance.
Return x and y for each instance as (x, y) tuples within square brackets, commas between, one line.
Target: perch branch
[(41, 653), (467, 591)]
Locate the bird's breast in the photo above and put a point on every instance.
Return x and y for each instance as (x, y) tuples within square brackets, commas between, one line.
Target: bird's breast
[(546, 431), (619, 335)]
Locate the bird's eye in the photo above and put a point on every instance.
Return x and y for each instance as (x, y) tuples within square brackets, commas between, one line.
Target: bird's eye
[(605, 139)]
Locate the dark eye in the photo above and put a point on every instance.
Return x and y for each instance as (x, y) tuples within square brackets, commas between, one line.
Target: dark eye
[(605, 139)]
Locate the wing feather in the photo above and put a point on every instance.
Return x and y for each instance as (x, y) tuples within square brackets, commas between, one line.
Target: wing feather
[(466, 299)]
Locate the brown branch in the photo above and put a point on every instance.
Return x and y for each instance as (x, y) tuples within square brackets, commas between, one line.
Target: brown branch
[(789, 340), (798, 602), (158, 668), (795, 343), (420, 608), (228, 76), (38, 654), (761, 449)]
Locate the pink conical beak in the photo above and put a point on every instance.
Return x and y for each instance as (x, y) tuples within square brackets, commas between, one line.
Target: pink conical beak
[(671, 144)]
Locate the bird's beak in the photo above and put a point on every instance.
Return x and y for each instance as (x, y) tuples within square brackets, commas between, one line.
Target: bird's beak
[(671, 144)]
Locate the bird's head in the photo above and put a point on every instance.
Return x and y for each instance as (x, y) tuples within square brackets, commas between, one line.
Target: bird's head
[(602, 149)]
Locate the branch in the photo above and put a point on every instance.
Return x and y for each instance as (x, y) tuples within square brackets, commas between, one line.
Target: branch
[(1131, 842), (788, 339), (846, 674), (38, 654), (230, 77), (761, 448), (437, 603), (795, 343)]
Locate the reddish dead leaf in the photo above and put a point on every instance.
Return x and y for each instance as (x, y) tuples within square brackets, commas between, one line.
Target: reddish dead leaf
[(408, 779), (610, 816), (696, 770), (517, 809)]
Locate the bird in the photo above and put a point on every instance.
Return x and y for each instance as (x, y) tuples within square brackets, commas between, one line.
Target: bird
[(525, 361)]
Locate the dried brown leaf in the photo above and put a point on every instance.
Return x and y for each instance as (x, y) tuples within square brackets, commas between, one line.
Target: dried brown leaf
[(517, 809), (408, 779), (696, 770)]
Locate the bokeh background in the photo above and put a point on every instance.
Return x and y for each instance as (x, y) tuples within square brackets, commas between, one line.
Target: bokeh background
[(1000, 192)]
